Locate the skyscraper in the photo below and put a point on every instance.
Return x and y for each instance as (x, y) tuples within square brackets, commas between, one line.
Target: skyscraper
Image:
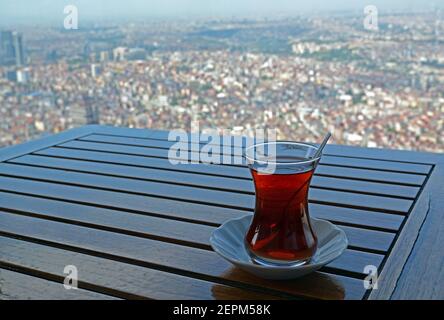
[(6, 47), (80, 115), (11, 49), (96, 70)]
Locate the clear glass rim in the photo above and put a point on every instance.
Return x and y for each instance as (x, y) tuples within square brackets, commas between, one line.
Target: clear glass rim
[(307, 161)]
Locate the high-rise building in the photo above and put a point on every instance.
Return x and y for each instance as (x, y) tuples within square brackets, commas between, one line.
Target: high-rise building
[(96, 70), (6, 48), (11, 49), (80, 115), (104, 56), (19, 75), (19, 51), (119, 54)]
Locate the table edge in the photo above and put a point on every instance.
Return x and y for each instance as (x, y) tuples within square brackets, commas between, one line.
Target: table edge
[(406, 241), (13, 151), (6, 153)]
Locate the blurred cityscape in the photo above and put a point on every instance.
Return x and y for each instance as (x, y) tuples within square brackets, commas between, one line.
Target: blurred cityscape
[(300, 75)]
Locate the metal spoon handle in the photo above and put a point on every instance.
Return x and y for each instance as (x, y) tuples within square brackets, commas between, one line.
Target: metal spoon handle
[(322, 145)]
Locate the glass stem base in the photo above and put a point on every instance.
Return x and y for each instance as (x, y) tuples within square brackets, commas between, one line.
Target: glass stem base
[(277, 263)]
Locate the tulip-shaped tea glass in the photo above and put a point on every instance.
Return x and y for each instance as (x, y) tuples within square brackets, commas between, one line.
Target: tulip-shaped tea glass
[(280, 233)]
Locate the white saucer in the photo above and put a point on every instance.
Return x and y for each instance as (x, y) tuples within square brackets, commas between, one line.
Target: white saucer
[(228, 241)]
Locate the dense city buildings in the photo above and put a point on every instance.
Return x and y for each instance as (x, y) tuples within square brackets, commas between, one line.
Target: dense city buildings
[(302, 76)]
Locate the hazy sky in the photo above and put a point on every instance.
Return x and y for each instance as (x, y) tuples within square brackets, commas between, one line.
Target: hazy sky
[(46, 10)]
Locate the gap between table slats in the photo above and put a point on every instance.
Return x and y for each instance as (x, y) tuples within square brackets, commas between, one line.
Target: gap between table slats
[(190, 194), (191, 234), (205, 181), (393, 177), (191, 262), (118, 279), (357, 162), (18, 286)]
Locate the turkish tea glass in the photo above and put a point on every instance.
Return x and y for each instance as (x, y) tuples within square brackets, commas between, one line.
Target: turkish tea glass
[(280, 233)]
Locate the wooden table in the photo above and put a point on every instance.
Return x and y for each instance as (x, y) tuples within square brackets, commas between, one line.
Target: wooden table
[(108, 201)]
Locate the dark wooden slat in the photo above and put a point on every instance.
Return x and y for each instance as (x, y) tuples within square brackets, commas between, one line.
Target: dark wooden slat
[(344, 261), (371, 175), (356, 217), (162, 252), (219, 170), (152, 227), (212, 197), (116, 200), (161, 138), (385, 165), (401, 156), (206, 181), (18, 286), (198, 263), (168, 207), (144, 151), (395, 177), (393, 205), (151, 143), (360, 201), (129, 281), (174, 231), (176, 177), (326, 159), (359, 186), (158, 163), (215, 197), (141, 225), (346, 215), (368, 239)]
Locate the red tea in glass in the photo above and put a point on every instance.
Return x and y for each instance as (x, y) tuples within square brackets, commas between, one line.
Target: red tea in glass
[(280, 233)]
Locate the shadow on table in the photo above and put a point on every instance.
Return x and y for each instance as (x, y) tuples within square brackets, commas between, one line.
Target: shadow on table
[(317, 285)]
